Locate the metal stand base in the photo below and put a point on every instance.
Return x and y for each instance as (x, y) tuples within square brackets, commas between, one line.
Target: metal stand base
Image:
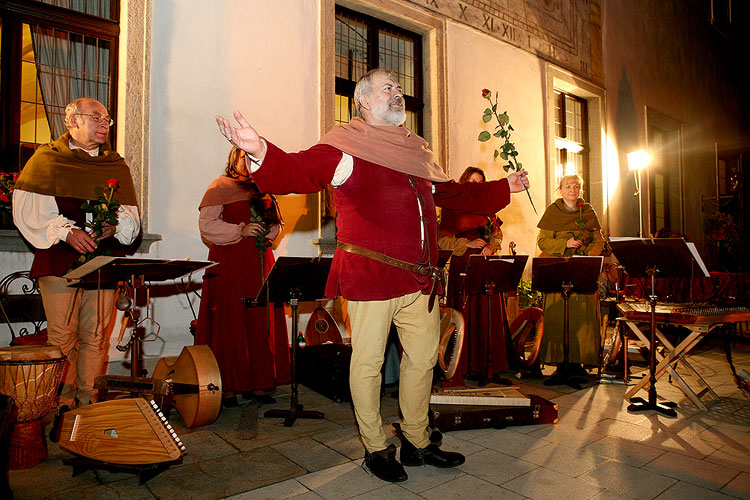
[(570, 374), (295, 412), (144, 472), (640, 404)]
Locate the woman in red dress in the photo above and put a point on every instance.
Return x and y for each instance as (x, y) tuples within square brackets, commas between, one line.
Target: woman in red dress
[(251, 344), (470, 235)]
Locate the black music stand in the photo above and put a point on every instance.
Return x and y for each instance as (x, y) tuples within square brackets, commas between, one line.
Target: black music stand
[(563, 275), (669, 258), (108, 271), (489, 276), (291, 280)]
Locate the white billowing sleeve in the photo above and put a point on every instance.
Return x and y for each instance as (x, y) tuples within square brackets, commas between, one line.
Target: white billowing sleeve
[(38, 219), (128, 224)]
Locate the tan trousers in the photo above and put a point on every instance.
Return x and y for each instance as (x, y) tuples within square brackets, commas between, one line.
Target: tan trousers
[(419, 333), (76, 322)]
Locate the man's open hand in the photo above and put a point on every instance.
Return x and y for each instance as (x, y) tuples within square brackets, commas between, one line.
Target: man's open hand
[(244, 137)]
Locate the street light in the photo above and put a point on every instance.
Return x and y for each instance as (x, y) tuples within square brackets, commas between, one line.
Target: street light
[(637, 161)]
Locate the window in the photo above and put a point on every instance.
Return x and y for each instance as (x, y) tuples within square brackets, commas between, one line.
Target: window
[(50, 54), (665, 200), (364, 43), (571, 150)]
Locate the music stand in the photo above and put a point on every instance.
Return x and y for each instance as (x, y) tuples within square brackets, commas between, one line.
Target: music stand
[(670, 258), (291, 280), (108, 271), (563, 275), (489, 276)]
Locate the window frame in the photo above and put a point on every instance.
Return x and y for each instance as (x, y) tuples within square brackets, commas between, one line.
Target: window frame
[(344, 87), (599, 187), (562, 96), (15, 14), (672, 170)]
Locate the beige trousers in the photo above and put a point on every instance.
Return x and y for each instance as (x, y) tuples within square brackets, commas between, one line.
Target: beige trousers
[(76, 322), (418, 331)]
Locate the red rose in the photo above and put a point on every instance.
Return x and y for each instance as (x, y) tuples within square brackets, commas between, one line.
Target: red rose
[(4, 198), (112, 183), (580, 205), (486, 93)]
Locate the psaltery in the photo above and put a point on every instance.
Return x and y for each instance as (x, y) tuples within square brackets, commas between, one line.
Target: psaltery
[(122, 431)]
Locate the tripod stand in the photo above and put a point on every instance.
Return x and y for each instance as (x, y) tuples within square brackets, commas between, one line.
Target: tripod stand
[(669, 258), (563, 275), (491, 277), (291, 280)]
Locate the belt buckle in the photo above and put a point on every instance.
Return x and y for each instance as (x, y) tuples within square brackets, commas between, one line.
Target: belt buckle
[(423, 270)]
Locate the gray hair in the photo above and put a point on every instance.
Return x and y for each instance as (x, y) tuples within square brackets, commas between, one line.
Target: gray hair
[(73, 108), (364, 84)]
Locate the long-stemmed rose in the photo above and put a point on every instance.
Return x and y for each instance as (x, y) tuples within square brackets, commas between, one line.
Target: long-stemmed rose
[(503, 131), (103, 211)]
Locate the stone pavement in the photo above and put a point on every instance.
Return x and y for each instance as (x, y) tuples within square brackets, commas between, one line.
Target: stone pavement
[(597, 451)]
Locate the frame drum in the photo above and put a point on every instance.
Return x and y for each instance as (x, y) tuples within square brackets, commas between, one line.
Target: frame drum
[(30, 375)]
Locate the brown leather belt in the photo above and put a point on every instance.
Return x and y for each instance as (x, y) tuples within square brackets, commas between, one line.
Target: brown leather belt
[(427, 270)]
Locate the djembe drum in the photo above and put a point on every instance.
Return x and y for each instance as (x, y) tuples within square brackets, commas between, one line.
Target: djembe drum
[(30, 375)]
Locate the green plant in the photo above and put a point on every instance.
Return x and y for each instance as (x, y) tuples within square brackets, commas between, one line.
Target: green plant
[(528, 297)]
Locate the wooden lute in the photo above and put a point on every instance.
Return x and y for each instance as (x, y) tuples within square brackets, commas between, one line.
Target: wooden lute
[(196, 384), (322, 328)]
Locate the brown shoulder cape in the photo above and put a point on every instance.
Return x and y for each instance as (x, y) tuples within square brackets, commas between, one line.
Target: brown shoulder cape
[(56, 170), (557, 217), (397, 148), (225, 190)]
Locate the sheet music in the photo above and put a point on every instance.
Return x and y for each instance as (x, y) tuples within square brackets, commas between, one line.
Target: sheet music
[(89, 267), (697, 257)]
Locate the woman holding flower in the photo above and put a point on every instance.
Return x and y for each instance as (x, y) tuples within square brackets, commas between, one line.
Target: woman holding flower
[(466, 235), (250, 343), (569, 227)]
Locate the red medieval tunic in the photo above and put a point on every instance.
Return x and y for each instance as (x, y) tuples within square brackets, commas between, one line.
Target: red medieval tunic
[(377, 208), (251, 354)]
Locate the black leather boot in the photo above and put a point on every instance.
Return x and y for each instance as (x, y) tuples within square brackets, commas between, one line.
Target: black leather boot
[(411, 456), (383, 465)]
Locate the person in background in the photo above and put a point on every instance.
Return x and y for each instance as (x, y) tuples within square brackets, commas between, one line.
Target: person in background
[(570, 227), (250, 343), (466, 235), (47, 209)]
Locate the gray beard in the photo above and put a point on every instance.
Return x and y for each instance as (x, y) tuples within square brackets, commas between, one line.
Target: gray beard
[(395, 116)]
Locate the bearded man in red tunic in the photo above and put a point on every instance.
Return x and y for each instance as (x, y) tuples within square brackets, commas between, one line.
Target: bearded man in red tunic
[(386, 187)]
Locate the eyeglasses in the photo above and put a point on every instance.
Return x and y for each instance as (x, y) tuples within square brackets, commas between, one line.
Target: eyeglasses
[(99, 118)]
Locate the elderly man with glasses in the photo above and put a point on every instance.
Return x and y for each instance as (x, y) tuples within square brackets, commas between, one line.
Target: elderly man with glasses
[(57, 180)]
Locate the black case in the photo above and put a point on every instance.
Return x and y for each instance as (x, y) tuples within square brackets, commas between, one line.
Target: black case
[(325, 369), (459, 418)]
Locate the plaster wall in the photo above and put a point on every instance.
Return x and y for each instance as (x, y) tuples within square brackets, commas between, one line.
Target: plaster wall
[(476, 61), (261, 58)]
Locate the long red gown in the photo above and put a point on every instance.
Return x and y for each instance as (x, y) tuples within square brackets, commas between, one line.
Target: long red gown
[(251, 356), (477, 357)]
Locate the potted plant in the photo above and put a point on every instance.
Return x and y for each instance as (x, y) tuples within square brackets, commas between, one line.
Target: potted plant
[(7, 182)]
